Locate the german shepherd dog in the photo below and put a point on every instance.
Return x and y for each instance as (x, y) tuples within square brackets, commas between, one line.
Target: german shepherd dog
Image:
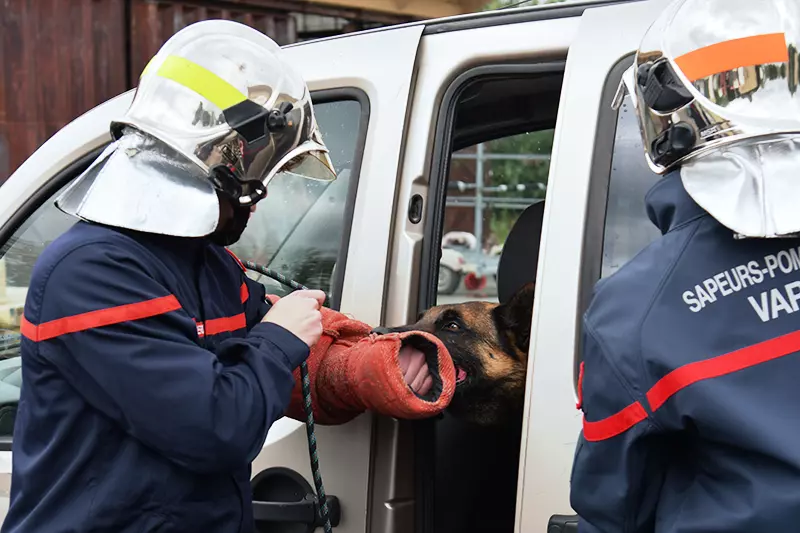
[(477, 444), (489, 346)]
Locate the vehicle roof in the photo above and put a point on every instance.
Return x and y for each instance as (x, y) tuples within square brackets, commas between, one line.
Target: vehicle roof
[(482, 19)]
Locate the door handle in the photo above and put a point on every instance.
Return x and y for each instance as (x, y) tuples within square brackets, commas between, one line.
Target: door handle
[(284, 502), (307, 511), (563, 524)]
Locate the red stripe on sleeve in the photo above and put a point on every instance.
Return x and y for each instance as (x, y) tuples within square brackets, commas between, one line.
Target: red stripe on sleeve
[(614, 424), (99, 318), (221, 325), (244, 293)]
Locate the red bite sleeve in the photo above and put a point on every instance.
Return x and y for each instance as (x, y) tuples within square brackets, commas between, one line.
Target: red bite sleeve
[(353, 371)]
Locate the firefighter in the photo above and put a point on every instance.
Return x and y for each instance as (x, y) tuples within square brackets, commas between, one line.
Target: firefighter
[(152, 366), (691, 351)]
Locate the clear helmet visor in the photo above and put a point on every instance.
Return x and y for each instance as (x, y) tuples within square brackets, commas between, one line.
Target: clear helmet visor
[(310, 160), (314, 164)]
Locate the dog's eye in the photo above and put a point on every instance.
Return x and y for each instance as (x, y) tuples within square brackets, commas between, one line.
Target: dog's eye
[(452, 326)]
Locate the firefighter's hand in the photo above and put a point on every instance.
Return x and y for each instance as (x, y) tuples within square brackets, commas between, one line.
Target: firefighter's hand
[(299, 313), (415, 370)]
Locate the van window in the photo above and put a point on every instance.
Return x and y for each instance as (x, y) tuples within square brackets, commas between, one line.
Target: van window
[(628, 230), (298, 230), (495, 162), (490, 184), (620, 181)]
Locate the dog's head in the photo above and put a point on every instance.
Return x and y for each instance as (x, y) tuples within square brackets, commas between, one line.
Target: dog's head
[(489, 346)]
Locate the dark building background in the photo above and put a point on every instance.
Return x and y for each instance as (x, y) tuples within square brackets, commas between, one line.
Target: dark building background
[(61, 58)]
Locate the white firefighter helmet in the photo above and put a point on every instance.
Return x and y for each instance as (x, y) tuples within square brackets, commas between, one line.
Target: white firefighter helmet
[(217, 110), (715, 88)]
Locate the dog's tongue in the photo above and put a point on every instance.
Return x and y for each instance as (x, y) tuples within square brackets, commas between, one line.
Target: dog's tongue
[(461, 375)]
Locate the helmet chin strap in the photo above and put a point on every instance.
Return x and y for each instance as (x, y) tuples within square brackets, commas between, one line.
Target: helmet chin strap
[(231, 231), (244, 193)]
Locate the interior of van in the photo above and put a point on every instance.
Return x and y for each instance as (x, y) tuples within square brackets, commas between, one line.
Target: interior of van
[(469, 472)]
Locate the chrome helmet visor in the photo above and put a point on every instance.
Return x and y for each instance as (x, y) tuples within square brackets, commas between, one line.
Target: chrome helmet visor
[(716, 89), (714, 72)]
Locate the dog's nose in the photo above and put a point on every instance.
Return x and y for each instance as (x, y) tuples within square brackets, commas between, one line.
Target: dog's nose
[(381, 331)]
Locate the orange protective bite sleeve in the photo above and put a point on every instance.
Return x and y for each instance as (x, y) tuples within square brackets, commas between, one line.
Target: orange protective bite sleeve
[(352, 371)]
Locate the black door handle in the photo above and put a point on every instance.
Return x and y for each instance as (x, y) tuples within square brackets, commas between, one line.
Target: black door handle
[(284, 502), (563, 524), (306, 511)]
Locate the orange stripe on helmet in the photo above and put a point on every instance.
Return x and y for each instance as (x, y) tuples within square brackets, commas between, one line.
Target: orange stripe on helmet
[(733, 54)]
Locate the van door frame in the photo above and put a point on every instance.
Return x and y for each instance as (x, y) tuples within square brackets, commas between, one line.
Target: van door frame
[(571, 254)]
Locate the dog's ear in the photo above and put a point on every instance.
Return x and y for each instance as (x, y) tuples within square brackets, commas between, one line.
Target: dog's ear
[(515, 317)]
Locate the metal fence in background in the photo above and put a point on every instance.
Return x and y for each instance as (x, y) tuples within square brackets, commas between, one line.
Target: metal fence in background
[(482, 198)]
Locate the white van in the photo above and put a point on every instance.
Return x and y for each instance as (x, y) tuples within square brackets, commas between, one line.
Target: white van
[(394, 105)]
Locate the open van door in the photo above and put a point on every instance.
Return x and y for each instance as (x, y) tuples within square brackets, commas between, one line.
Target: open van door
[(594, 221), (326, 235)]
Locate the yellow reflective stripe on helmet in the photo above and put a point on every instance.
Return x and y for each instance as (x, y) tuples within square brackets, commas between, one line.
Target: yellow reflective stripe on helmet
[(200, 80)]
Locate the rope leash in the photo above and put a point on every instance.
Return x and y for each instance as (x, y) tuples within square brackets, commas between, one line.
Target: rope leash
[(307, 405)]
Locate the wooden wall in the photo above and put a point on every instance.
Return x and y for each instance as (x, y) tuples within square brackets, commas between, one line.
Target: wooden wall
[(60, 58)]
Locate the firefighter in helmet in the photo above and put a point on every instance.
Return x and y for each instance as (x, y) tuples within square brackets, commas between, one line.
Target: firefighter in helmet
[(690, 351), (152, 367)]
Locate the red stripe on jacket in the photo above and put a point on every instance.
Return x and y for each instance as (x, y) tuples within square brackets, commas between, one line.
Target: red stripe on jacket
[(125, 313), (686, 375)]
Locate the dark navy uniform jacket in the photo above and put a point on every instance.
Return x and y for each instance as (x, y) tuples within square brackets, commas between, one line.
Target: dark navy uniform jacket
[(148, 387), (691, 383)]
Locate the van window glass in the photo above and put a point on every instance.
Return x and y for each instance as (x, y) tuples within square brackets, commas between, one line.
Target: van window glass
[(627, 229), (489, 186)]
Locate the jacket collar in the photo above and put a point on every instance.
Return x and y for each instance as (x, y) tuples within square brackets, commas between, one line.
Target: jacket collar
[(669, 205)]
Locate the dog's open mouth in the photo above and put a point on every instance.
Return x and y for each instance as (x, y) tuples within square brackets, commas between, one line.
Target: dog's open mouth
[(461, 375)]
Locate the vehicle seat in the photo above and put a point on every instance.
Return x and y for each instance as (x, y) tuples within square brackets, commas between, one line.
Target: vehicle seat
[(477, 467), (520, 256)]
